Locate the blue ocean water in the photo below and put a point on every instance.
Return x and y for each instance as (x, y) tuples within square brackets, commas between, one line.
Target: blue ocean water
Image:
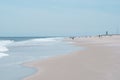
[(15, 51)]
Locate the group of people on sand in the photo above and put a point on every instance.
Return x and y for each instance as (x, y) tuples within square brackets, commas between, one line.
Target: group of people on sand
[(90, 36)]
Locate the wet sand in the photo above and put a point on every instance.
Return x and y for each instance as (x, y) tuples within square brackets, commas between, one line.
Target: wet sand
[(100, 60)]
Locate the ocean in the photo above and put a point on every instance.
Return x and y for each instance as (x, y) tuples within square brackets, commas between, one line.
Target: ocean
[(14, 51)]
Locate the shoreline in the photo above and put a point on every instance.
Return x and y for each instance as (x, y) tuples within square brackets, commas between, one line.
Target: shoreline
[(99, 61)]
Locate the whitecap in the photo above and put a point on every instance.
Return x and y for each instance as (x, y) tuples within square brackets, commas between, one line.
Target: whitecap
[(5, 42), (3, 55), (44, 40), (36, 42), (3, 49)]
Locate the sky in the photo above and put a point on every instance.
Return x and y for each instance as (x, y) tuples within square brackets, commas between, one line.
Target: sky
[(59, 17)]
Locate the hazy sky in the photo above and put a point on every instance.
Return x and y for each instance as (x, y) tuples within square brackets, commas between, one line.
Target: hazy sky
[(58, 17)]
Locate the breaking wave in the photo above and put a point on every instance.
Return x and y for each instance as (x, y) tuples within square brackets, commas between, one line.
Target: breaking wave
[(3, 55), (3, 48), (4, 44), (36, 42)]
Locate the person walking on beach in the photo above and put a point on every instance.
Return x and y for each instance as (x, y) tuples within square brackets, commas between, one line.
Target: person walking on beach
[(106, 32)]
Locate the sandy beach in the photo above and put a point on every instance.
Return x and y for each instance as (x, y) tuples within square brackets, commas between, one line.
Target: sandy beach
[(99, 60)]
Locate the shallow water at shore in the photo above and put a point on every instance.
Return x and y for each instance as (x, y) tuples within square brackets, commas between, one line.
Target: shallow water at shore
[(29, 50)]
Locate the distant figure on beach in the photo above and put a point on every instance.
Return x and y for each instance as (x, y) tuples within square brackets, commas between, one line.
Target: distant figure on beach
[(106, 32), (72, 38), (99, 36)]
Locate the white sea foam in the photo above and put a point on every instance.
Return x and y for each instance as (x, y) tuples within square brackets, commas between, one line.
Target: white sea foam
[(36, 41), (4, 44), (44, 40), (3, 48), (3, 54)]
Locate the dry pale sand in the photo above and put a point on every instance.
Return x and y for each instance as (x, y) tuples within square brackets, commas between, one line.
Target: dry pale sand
[(99, 61)]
